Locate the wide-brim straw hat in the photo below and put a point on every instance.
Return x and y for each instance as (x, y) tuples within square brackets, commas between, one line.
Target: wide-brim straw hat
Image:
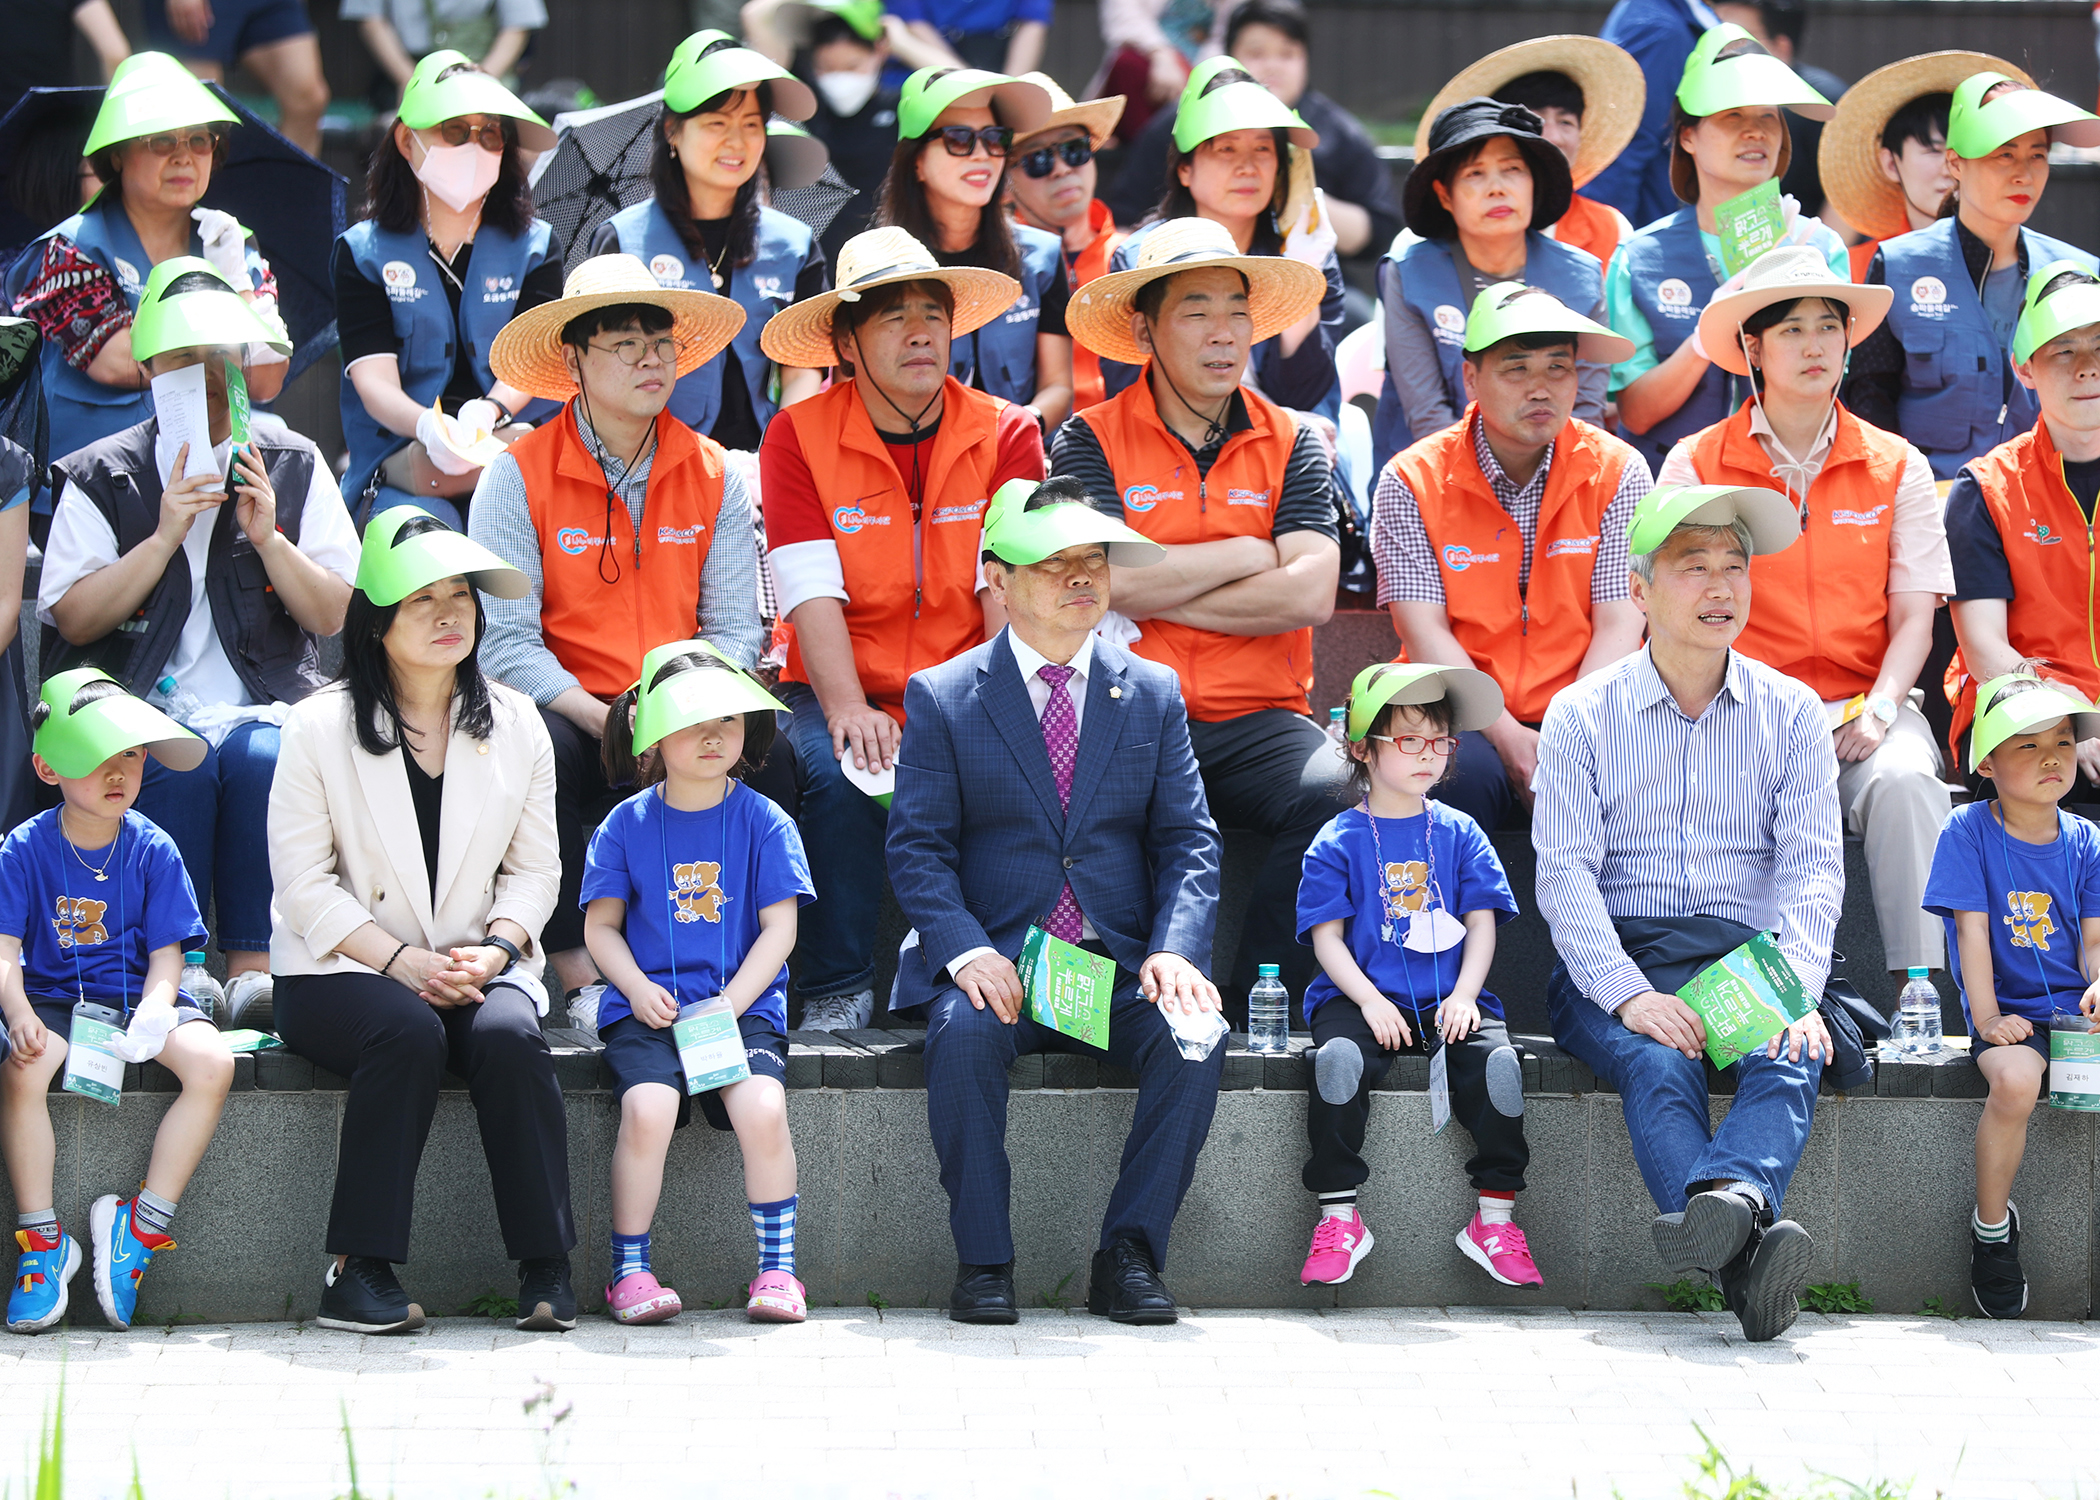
[(527, 354), (1613, 92), (1849, 159), (1098, 117), (799, 335), (1280, 291), (1786, 273)]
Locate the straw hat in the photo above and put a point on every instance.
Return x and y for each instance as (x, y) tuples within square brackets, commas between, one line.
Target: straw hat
[(1850, 157), (1785, 273), (799, 335), (1613, 92), (1279, 291), (528, 352), (1098, 116)]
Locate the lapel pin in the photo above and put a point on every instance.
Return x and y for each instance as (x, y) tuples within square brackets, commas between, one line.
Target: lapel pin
[(1115, 692)]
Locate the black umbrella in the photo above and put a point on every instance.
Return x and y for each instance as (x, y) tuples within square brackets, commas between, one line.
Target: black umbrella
[(819, 202), (294, 205)]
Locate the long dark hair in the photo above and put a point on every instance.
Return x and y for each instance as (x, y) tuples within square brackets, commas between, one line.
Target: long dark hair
[(903, 203), (394, 196), (1177, 202), (667, 177), (368, 674), (616, 750)]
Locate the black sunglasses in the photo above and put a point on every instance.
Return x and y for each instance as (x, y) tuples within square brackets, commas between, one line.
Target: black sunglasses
[(963, 140), (1041, 162)]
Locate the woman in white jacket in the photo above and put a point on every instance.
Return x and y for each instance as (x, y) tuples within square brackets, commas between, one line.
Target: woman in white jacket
[(413, 851)]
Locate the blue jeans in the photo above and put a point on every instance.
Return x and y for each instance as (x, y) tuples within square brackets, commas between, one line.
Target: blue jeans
[(843, 830), (1663, 1094), (218, 815), (387, 497)]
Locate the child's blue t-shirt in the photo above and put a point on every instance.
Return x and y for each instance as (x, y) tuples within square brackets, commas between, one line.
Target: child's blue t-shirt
[(83, 936), (1342, 878), (2034, 895), (694, 884)]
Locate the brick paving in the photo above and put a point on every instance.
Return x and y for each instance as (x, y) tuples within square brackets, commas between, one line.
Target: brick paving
[(860, 1402)]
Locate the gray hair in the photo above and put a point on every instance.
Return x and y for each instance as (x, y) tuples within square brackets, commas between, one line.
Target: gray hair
[(1643, 563)]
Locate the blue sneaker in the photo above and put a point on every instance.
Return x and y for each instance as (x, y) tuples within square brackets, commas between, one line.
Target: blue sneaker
[(39, 1297), (121, 1257)]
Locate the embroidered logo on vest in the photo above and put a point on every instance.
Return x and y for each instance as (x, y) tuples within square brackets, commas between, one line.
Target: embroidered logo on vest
[(668, 270), (399, 277), (1142, 497), (944, 515), (850, 518), (576, 540), (1571, 546), (681, 536), (1675, 294), (1858, 517), (1458, 558), (1450, 324), (2038, 532), (1246, 497)]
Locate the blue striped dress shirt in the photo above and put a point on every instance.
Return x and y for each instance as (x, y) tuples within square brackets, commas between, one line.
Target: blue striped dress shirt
[(1642, 812)]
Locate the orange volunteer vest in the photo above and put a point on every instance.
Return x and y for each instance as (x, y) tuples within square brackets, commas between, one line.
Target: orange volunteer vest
[(1819, 611), (1533, 643), (911, 587), (1222, 676), (1588, 225), (2050, 616), (1087, 389), (602, 631)]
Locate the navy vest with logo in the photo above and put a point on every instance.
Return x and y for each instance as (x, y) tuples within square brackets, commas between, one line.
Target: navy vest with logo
[(1960, 398), (999, 358), (1430, 285), (762, 289), (401, 263), (1671, 281)]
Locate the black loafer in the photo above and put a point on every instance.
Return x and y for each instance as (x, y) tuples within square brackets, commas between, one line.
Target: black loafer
[(546, 1295), (983, 1294), (1126, 1288), (1762, 1284), (366, 1297), (1713, 1230)]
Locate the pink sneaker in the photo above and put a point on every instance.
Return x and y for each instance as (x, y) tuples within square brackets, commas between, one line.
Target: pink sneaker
[(640, 1298), (1499, 1250), (1337, 1245), (776, 1297)]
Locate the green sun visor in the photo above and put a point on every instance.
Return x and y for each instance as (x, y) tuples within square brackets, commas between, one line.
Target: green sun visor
[(1975, 129), (2043, 703), (676, 692), (1730, 69), (86, 728), (1774, 523), (407, 548), (1476, 701), (1017, 535), (1510, 308)]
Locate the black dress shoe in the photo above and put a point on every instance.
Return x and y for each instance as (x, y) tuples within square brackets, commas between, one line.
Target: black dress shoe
[(365, 1297), (546, 1295), (1125, 1287), (983, 1294)]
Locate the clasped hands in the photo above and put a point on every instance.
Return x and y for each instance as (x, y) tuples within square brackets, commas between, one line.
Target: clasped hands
[(453, 978)]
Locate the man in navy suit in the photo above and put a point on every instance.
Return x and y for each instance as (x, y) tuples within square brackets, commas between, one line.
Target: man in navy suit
[(1046, 779)]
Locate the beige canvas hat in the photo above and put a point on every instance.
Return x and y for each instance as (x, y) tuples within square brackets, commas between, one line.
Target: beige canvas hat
[(527, 353), (1279, 291), (1849, 158), (799, 335), (1613, 92), (1785, 273)]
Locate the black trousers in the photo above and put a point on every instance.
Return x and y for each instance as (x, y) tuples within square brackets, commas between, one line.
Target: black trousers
[(1277, 773), (583, 799), (395, 1050), (1336, 1131)]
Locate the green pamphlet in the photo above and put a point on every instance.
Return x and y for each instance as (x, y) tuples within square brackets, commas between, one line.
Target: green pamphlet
[(1746, 998), (246, 1039), (1749, 224), (1067, 988), (237, 405)]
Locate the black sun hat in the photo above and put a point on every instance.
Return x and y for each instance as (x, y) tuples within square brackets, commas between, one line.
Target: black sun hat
[(1462, 127)]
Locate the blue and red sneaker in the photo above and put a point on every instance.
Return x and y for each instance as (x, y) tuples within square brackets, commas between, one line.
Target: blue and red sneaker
[(39, 1297), (121, 1257)]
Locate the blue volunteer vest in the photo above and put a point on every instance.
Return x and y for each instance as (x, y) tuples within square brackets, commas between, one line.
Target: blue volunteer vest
[(83, 410), (1671, 281), (999, 358), (1430, 285), (401, 263), (1956, 377), (762, 289)]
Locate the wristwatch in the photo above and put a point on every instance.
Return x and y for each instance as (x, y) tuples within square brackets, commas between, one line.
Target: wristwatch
[(492, 941), (1882, 708)]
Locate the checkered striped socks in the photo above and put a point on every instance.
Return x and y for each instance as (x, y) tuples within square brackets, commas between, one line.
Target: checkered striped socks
[(775, 1223), (630, 1254)]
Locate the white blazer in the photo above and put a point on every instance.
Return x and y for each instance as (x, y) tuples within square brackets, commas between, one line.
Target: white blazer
[(345, 848)]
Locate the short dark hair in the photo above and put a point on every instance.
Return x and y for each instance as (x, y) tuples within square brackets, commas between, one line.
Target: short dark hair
[(1286, 16), (1772, 315), (1524, 341), (848, 318), (616, 751), (88, 692), (613, 317), (1439, 714), (1151, 298), (828, 29), (1543, 90), (1058, 489), (1920, 120)]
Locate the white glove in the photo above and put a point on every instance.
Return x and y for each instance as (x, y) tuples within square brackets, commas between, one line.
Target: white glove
[(147, 1034), (431, 433), (261, 353), (479, 415), (225, 245), (1303, 242)]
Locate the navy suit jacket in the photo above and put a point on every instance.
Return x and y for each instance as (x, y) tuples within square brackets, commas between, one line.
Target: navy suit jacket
[(979, 847)]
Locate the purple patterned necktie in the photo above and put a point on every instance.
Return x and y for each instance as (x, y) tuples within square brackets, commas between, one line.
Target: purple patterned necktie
[(1061, 739)]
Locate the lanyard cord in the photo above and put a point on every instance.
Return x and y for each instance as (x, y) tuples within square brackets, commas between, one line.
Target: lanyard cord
[(663, 832), (1213, 426), (2063, 850), (601, 453), (1434, 891), (65, 880)]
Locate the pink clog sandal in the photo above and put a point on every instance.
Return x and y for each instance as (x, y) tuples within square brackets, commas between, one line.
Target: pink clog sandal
[(776, 1297), (641, 1298)]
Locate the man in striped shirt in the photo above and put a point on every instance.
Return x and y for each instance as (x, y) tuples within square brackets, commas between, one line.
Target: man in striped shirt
[(1682, 785)]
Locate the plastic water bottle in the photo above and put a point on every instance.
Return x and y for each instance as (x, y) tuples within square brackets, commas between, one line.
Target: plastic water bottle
[(1919, 1011), (1338, 725), (182, 704), (1268, 1013), (203, 990)]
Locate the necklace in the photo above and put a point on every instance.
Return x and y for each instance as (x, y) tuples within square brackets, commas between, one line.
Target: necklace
[(1430, 889), (97, 871), (714, 270)]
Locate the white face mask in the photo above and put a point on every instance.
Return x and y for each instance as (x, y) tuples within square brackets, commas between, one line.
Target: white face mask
[(846, 93), (460, 175)]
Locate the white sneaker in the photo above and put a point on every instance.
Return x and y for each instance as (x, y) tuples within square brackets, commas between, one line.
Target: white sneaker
[(839, 1012), (583, 1008), (250, 1001)]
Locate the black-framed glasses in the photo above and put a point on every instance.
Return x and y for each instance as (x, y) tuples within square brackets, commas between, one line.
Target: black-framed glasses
[(196, 142), (1042, 161), (1415, 744), (633, 351), (963, 140), (488, 135)]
